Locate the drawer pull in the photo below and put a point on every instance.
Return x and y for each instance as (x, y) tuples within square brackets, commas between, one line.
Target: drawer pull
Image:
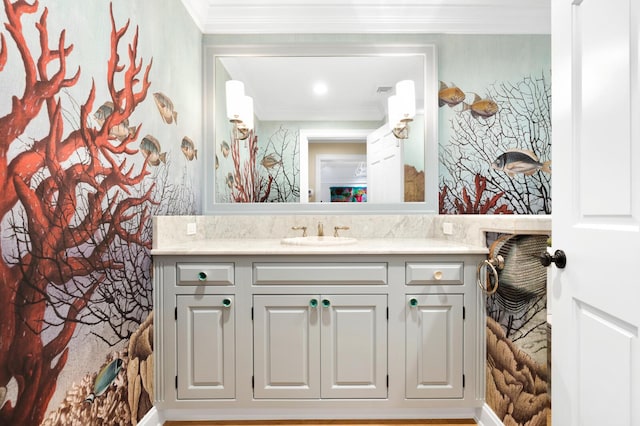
[(437, 275), (413, 302), (313, 303), (326, 303), (202, 276), (226, 303)]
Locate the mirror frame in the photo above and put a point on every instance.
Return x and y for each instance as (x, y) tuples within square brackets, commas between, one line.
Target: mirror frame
[(428, 51)]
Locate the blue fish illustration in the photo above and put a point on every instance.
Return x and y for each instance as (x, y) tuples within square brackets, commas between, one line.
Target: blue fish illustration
[(104, 379)]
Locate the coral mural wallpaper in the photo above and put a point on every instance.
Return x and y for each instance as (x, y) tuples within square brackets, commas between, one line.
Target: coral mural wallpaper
[(83, 169), (501, 143), (495, 125), (263, 169), (518, 377), (495, 158)]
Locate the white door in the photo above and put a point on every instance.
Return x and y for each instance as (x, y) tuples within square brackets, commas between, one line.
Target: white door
[(206, 356), (435, 341), (596, 218), (385, 167), (354, 346), (286, 346)]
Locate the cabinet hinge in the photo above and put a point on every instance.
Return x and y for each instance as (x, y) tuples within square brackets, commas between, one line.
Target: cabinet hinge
[(176, 382), (253, 382), (252, 313), (463, 380), (387, 381), (175, 314), (464, 313), (387, 313)]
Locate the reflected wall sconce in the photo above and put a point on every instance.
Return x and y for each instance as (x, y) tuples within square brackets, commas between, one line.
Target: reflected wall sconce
[(402, 108), (239, 109)]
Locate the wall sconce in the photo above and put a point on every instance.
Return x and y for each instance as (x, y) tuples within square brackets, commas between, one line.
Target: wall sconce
[(239, 109), (402, 108)]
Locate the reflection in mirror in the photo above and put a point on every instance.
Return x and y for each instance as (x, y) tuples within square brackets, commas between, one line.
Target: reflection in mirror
[(336, 101)]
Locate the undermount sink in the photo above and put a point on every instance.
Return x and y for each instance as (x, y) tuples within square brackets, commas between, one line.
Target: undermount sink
[(318, 241)]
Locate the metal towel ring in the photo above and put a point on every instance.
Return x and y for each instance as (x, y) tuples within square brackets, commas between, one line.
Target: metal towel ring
[(491, 264)]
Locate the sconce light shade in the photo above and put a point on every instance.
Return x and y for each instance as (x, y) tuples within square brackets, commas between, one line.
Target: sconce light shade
[(235, 99), (406, 93), (247, 112), (393, 108)]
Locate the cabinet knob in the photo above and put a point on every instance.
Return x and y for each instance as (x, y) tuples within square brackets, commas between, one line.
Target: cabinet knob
[(326, 303), (226, 303), (413, 302), (313, 303), (202, 276), (437, 275)]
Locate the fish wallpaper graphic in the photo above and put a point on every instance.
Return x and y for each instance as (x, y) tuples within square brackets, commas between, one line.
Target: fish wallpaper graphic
[(165, 107), (80, 183), (497, 159), (518, 377)]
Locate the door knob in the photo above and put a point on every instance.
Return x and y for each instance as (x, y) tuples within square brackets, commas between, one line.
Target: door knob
[(559, 258)]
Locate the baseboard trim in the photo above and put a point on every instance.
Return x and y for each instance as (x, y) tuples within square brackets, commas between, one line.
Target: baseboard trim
[(486, 417), (152, 418)]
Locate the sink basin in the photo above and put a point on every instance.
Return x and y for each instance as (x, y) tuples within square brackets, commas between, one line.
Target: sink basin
[(318, 241)]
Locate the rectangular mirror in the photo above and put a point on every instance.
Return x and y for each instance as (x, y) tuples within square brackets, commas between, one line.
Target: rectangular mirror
[(282, 165)]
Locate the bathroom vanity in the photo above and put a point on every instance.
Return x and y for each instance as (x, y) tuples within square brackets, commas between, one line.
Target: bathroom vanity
[(256, 329)]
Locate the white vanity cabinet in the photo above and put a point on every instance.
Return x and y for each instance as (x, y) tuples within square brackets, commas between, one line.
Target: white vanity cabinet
[(320, 346), (205, 331), (347, 335), (435, 330), (435, 346)]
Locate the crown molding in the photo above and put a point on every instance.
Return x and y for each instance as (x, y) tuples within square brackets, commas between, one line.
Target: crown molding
[(368, 16)]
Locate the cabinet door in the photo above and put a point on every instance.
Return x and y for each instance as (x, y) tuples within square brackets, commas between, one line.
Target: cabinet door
[(354, 346), (434, 346), (205, 332), (286, 344)]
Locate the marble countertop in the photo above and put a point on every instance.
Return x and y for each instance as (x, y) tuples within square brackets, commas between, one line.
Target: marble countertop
[(275, 247)]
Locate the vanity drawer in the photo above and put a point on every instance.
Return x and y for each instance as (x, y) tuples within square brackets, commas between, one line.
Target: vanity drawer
[(434, 273), (320, 273), (205, 274)]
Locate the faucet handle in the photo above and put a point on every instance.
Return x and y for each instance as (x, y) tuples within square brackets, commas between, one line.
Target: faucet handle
[(338, 228), (304, 229)]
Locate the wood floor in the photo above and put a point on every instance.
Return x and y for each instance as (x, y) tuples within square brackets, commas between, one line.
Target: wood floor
[(455, 422)]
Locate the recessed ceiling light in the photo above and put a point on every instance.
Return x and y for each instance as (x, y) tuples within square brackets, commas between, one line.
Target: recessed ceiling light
[(320, 88)]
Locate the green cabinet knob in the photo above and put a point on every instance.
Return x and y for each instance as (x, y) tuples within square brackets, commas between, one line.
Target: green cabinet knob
[(226, 303), (313, 303), (202, 276), (326, 303), (413, 302)]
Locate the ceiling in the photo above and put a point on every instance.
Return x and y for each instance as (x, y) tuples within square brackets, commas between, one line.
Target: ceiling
[(287, 90), (371, 16), (355, 85)]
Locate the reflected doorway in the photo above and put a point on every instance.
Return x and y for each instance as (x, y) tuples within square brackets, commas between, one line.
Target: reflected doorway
[(338, 177), (331, 142)]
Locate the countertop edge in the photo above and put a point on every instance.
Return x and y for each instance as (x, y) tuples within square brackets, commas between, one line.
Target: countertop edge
[(264, 247)]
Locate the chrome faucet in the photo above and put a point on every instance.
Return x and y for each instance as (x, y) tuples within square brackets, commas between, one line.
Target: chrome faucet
[(320, 230)]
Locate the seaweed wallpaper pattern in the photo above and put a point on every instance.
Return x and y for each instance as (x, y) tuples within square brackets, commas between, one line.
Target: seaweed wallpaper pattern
[(81, 179)]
